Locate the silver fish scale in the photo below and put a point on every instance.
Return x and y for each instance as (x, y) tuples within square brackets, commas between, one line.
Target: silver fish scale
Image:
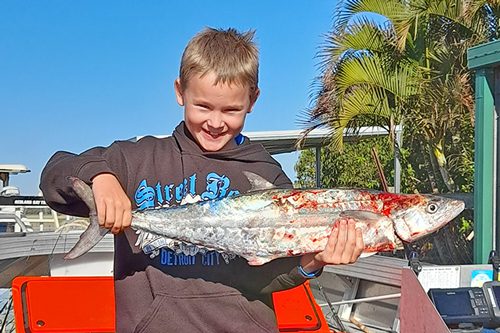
[(256, 226), (261, 226)]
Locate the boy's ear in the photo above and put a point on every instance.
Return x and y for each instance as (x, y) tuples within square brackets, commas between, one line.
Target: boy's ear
[(253, 98), (178, 92)]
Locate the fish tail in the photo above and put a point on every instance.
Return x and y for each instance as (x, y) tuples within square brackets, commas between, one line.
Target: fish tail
[(94, 233)]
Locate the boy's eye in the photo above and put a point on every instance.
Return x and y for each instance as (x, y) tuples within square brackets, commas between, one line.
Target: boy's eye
[(232, 110)]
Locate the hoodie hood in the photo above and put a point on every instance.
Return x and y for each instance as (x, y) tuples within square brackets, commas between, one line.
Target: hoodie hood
[(246, 151)]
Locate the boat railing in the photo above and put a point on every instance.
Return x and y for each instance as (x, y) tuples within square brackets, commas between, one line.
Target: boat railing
[(32, 214), (12, 223)]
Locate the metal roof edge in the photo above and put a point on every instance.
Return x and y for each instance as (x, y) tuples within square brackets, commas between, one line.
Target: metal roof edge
[(283, 141), (484, 55)]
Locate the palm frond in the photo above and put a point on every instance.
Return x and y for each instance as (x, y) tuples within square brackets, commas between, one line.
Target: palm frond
[(402, 81), (364, 35)]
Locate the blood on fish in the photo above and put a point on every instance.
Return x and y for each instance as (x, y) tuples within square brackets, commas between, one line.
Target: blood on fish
[(386, 247), (309, 205), (319, 209), (380, 248), (395, 202), (296, 198)]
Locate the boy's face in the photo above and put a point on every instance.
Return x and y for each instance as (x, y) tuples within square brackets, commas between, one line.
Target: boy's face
[(214, 114)]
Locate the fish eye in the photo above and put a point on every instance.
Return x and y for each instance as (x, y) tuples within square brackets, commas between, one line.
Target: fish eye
[(432, 208)]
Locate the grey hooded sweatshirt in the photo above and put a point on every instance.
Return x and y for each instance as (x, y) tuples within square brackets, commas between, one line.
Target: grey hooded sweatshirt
[(168, 291)]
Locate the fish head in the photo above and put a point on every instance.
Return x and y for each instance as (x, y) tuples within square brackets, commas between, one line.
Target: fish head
[(416, 216)]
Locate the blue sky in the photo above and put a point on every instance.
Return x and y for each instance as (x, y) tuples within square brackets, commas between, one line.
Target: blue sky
[(78, 74)]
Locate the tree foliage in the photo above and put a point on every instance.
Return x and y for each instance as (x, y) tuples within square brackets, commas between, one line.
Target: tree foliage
[(408, 68), (354, 166), (393, 62)]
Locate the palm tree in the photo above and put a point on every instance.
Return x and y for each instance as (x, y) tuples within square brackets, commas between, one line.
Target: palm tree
[(404, 62)]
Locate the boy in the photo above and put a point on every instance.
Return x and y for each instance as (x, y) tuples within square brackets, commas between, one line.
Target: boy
[(167, 292)]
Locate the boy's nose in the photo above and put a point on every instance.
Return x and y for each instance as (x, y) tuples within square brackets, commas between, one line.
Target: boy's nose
[(215, 120)]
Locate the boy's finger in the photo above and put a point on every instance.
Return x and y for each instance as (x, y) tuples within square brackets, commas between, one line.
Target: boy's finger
[(341, 239), (350, 244), (101, 212), (110, 216), (360, 245), (332, 239), (127, 219), (117, 225)]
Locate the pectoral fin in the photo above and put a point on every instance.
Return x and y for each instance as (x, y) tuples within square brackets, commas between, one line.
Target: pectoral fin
[(363, 216), (258, 261), (377, 229), (367, 254)]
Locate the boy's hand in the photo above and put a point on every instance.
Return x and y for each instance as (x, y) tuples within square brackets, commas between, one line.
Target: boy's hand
[(114, 209), (344, 246)]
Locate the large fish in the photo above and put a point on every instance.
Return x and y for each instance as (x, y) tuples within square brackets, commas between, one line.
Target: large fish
[(272, 223)]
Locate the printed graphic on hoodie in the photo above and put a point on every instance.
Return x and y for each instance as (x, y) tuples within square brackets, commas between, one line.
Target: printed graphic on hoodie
[(166, 195)]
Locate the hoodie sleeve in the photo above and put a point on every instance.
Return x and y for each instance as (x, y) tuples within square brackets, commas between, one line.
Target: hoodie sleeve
[(54, 183), (286, 281)]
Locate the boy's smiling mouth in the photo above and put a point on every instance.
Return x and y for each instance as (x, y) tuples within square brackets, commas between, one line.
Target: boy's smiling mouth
[(213, 135)]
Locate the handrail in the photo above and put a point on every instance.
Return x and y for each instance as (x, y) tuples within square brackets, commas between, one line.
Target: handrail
[(17, 220)]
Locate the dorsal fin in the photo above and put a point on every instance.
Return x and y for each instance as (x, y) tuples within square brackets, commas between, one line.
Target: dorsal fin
[(257, 183)]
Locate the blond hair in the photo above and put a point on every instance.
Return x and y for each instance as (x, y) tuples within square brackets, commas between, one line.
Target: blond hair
[(232, 56)]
